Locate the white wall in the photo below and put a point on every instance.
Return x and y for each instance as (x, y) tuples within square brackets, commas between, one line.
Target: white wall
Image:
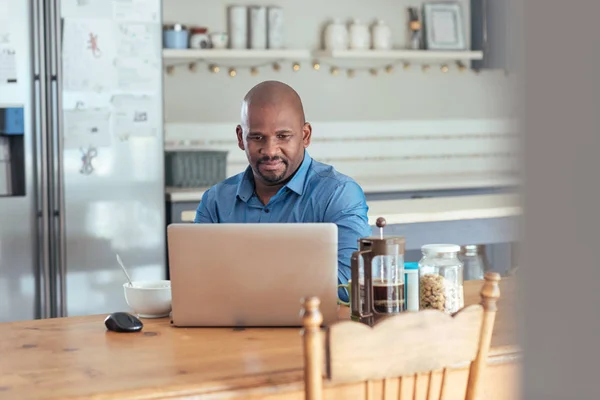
[(333, 101)]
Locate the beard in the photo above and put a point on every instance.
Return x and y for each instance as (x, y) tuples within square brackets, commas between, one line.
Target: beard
[(272, 176)]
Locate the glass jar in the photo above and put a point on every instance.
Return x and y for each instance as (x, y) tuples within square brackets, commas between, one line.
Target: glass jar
[(474, 261), (441, 278)]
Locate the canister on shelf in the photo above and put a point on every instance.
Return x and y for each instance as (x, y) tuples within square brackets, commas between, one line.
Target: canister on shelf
[(199, 38), (258, 27), (411, 286), (275, 28), (238, 27), (441, 278), (175, 36)]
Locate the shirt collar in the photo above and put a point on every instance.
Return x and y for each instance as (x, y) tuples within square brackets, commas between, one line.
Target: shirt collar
[(296, 184), (245, 188)]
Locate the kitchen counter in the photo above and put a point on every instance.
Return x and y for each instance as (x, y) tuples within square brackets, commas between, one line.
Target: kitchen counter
[(410, 211), (76, 358), (391, 184)]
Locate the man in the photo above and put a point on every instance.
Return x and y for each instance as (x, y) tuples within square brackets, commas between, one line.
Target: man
[(283, 183)]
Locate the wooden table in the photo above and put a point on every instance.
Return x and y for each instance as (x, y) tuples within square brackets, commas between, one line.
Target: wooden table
[(77, 358)]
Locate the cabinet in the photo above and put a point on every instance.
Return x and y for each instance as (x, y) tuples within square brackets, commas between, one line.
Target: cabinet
[(493, 27)]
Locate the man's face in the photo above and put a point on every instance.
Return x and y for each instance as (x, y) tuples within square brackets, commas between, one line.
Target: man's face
[(274, 139)]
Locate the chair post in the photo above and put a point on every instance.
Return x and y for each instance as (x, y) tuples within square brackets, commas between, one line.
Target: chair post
[(490, 292), (313, 349)]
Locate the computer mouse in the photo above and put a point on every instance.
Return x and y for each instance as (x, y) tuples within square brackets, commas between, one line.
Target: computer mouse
[(123, 322)]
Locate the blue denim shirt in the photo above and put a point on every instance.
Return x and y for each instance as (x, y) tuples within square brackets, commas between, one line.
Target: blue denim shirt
[(316, 193)]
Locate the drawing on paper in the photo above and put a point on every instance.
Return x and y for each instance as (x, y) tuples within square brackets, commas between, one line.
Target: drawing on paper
[(8, 66), (93, 45), (89, 52), (86, 128)]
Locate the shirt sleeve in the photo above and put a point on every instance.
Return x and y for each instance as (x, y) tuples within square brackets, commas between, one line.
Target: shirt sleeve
[(347, 208), (205, 213)]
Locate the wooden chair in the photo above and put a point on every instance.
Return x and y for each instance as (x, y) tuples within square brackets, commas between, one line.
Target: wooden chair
[(408, 345)]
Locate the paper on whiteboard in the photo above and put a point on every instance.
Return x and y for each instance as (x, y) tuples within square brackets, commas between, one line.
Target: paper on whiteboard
[(4, 22), (136, 10), (85, 100), (89, 55), (8, 65), (139, 57), (140, 41), (86, 128), (135, 116), (85, 9), (136, 75)]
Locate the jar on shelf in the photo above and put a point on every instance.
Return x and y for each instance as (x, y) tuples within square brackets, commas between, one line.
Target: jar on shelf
[(336, 35), (175, 36), (199, 38), (359, 35), (381, 36), (441, 278)]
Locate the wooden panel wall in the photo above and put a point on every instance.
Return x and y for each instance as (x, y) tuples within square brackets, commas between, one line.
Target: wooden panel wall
[(366, 149)]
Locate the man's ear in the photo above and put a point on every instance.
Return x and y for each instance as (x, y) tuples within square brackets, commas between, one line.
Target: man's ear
[(306, 134), (240, 137)]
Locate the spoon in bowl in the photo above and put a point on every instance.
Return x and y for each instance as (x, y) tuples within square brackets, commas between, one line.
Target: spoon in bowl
[(124, 270)]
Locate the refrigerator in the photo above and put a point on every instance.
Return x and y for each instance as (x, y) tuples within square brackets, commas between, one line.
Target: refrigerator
[(81, 154)]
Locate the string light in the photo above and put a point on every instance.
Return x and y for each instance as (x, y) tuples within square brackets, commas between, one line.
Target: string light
[(317, 65)]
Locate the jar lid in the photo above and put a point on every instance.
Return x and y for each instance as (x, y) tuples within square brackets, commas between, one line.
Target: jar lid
[(198, 29), (411, 265), (440, 248), (174, 27)]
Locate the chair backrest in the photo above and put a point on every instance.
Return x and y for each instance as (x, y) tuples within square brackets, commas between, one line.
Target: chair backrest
[(404, 345)]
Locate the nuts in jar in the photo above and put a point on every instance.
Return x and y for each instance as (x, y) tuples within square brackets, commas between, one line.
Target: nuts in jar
[(439, 293), (432, 293)]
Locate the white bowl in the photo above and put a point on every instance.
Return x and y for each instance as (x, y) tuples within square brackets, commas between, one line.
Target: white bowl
[(149, 299), (219, 40)]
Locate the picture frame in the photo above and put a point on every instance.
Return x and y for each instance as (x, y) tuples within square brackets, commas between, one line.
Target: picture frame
[(444, 26)]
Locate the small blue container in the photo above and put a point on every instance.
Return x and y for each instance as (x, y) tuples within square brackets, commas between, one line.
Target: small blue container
[(176, 37), (11, 121), (411, 286)]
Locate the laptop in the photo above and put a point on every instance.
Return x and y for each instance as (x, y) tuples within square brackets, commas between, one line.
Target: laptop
[(251, 274)]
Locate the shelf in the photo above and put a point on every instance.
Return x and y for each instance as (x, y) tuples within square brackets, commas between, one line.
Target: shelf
[(299, 54), (408, 55), (176, 55)]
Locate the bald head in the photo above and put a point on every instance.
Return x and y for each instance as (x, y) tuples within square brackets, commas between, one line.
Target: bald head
[(272, 94)]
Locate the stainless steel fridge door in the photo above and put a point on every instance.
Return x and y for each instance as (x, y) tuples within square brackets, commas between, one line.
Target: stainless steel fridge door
[(23, 293), (113, 198)]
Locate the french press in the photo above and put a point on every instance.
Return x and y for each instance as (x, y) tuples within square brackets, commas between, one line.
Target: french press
[(377, 271)]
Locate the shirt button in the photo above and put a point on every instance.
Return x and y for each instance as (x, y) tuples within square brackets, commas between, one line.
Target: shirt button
[(267, 210)]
